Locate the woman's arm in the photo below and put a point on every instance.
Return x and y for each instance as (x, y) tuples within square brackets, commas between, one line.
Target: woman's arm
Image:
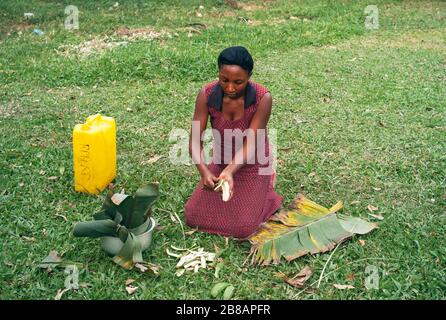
[(201, 115)]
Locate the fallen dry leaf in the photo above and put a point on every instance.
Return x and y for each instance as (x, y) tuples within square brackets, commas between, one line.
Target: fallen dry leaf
[(148, 267), (343, 286), (131, 289), (371, 208), (154, 159), (59, 294), (362, 242), (376, 216), (129, 281), (32, 239), (376, 189), (299, 279), (159, 228), (350, 277), (191, 232), (51, 261), (355, 202)]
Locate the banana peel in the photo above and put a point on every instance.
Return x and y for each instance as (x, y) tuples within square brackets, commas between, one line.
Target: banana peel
[(192, 260)]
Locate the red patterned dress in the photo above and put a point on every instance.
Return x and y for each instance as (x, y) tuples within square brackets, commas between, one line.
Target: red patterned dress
[(254, 199)]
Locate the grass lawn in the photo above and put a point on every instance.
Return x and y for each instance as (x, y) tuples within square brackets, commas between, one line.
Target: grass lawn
[(359, 113)]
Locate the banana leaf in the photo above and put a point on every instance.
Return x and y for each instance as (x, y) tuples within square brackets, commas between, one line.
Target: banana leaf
[(95, 229), (122, 233), (130, 253), (125, 208), (135, 210), (142, 201), (108, 210), (356, 225), (102, 215), (304, 227)]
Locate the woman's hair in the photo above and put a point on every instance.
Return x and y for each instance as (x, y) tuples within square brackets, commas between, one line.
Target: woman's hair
[(237, 55)]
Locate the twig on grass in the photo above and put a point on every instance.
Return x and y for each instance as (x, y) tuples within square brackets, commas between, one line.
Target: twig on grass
[(326, 263)]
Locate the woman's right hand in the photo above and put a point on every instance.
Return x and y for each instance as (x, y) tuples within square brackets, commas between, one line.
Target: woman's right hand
[(209, 180)]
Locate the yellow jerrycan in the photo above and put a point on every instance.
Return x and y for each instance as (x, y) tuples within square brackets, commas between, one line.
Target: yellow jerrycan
[(94, 154)]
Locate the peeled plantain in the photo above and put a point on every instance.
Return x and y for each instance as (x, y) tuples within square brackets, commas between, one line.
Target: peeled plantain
[(224, 186)]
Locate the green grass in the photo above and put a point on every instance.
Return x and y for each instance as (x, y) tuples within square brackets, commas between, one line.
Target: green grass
[(364, 110)]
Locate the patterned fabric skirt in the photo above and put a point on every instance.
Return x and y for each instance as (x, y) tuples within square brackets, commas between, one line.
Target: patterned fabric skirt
[(253, 202)]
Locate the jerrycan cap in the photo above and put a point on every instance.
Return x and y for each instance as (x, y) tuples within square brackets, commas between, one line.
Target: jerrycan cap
[(93, 118)]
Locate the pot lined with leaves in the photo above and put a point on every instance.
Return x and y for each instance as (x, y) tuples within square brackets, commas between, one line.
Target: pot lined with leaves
[(124, 225)]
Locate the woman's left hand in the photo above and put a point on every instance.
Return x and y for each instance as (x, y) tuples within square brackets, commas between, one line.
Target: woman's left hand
[(228, 177)]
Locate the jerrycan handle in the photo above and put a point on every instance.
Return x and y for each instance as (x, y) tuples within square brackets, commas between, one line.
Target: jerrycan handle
[(93, 118)]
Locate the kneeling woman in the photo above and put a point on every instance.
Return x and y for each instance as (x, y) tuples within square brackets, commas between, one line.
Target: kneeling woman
[(233, 102)]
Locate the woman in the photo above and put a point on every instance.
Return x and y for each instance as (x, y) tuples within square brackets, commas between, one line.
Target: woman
[(233, 102)]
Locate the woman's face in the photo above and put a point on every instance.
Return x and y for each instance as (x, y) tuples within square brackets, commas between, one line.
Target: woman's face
[(233, 80)]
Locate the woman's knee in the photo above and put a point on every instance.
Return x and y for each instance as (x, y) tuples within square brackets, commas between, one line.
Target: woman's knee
[(245, 231)]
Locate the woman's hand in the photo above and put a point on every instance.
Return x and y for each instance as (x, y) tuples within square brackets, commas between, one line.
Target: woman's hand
[(228, 177), (208, 179)]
